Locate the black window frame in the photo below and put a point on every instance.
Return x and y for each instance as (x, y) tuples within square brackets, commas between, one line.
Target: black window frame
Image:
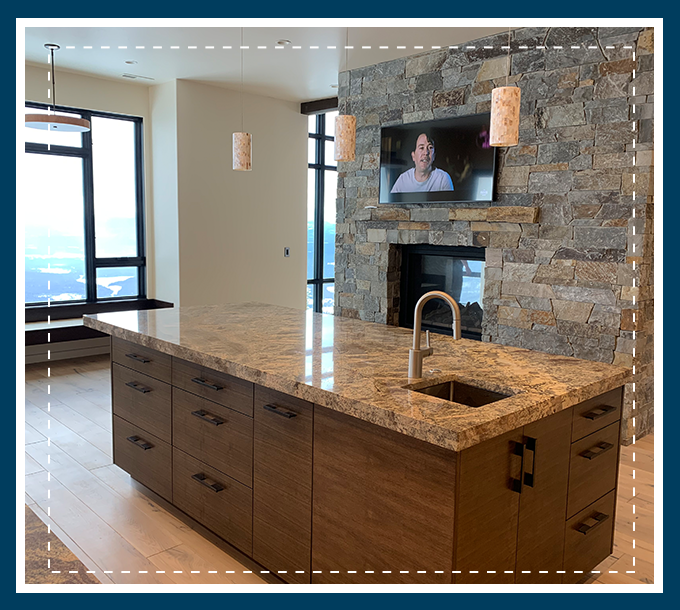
[(320, 167), (92, 262)]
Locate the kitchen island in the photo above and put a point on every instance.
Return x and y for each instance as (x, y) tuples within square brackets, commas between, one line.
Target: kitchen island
[(300, 440)]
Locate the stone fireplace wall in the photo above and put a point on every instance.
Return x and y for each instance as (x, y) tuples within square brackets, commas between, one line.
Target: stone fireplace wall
[(569, 239)]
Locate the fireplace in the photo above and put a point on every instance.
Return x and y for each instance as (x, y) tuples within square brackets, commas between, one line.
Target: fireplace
[(458, 271)]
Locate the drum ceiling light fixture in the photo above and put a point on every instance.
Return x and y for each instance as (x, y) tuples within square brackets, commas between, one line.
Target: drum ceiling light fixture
[(54, 121), (345, 126), (242, 142), (505, 102)]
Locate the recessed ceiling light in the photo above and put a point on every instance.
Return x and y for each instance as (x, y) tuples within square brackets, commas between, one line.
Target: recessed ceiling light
[(130, 62), (283, 41)]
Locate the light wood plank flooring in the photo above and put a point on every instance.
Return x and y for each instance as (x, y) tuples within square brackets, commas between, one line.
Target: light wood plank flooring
[(124, 533)]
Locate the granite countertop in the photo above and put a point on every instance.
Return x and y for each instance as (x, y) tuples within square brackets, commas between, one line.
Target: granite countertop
[(361, 368)]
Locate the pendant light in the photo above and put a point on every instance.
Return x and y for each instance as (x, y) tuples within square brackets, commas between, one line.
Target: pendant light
[(505, 103), (345, 127), (242, 152), (53, 121)]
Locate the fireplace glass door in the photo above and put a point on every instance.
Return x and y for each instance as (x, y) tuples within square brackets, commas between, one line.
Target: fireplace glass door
[(458, 271)]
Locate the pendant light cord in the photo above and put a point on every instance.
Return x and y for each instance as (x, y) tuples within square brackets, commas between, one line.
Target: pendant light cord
[(54, 88), (507, 75), (241, 80)]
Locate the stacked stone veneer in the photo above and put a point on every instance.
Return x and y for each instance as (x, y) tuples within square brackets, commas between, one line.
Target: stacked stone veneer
[(569, 243)]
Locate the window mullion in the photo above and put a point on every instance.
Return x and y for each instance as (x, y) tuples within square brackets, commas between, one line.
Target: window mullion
[(88, 190), (319, 220), (139, 181)]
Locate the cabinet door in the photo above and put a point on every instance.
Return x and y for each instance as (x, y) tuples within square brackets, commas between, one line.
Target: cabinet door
[(543, 501), (383, 505), (282, 487), (487, 504)]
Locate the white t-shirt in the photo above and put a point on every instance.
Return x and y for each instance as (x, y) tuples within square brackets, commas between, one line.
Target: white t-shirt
[(438, 180)]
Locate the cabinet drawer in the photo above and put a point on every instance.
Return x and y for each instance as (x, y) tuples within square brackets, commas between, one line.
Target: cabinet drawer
[(221, 388), (218, 436), (282, 484), (592, 467), (596, 413), (215, 500), (588, 538), (142, 359), (143, 401), (143, 456)]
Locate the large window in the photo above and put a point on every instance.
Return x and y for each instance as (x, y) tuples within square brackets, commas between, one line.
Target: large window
[(83, 211), (322, 181)]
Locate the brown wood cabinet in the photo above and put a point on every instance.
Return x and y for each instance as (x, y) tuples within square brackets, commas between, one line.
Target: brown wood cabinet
[(213, 434), (215, 386), (142, 359), (144, 456), (215, 500), (383, 504), (543, 501), (143, 401), (487, 509), (317, 496), (282, 485)]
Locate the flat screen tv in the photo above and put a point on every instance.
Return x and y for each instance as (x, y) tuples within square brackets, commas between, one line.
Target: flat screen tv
[(446, 160)]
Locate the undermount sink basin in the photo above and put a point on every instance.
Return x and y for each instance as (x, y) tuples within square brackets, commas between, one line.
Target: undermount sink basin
[(462, 393)]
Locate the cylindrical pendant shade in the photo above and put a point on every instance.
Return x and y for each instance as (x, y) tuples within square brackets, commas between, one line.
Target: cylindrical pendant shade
[(345, 137), (242, 151), (504, 116)]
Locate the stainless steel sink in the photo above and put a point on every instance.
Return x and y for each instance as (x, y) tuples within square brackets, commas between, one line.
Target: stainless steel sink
[(462, 393)]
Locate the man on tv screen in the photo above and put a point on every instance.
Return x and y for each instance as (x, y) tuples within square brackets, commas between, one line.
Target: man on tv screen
[(424, 176)]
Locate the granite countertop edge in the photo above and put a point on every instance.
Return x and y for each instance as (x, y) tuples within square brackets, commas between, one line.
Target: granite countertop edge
[(528, 407)]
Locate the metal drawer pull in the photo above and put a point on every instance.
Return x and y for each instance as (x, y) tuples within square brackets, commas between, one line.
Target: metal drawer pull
[(597, 450), (599, 518), (203, 382), (142, 444), (529, 477), (140, 388), (599, 411), (203, 480), (278, 411), (205, 416), (516, 484), (138, 358)]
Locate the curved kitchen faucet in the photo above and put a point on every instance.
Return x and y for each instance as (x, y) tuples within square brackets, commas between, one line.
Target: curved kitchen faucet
[(417, 355)]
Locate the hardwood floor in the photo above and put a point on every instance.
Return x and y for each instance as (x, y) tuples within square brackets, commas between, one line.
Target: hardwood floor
[(124, 533)]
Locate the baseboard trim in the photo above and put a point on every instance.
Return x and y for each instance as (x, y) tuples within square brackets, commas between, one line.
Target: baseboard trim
[(67, 350)]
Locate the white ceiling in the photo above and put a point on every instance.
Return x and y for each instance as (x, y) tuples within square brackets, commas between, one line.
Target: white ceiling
[(292, 74)]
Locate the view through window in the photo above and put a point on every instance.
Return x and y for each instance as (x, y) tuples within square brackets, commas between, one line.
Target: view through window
[(322, 180), (83, 211)]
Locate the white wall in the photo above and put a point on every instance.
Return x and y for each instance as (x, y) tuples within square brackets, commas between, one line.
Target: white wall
[(163, 280), (233, 226), (213, 235)]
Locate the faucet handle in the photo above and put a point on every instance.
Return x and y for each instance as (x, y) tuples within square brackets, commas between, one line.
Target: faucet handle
[(427, 339)]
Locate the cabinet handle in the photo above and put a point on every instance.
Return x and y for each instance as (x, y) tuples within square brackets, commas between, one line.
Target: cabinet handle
[(597, 450), (204, 383), (529, 477), (599, 411), (516, 484), (140, 388), (279, 411), (203, 480), (205, 416), (599, 518), (138, 442), (138, 358)]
